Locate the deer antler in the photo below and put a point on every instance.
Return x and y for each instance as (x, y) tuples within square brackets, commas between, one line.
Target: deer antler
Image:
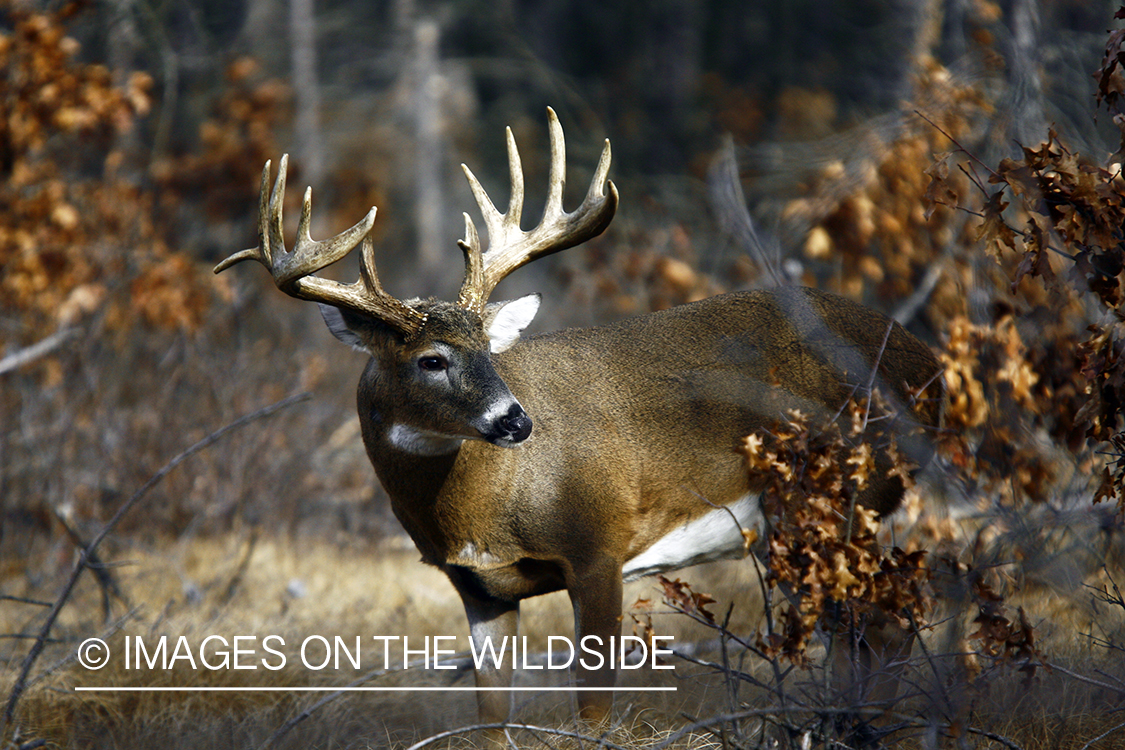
[(509, 247), (292, 272)]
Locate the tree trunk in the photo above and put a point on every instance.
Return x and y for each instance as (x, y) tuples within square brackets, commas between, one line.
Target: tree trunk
[(306, 89), (430, 206), (1029, 124)]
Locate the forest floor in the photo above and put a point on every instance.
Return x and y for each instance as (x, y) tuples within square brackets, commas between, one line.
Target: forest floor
[(288, 599)]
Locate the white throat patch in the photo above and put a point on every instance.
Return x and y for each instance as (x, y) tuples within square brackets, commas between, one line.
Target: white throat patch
[(421, 442)]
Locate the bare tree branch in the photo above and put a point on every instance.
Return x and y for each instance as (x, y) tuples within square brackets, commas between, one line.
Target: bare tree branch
[(37, 350)]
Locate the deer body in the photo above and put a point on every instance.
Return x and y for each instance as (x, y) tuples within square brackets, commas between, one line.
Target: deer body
[(637, 427), (633, 465)]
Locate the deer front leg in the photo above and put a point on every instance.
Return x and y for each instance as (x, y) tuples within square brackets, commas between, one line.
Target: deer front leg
[(595, 593), (491, 619)]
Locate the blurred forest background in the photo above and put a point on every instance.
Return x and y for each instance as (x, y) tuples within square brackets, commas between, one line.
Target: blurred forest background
[(134, 135), (752, 143)]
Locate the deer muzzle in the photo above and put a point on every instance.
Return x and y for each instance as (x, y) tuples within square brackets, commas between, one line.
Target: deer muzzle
[(511, 428)]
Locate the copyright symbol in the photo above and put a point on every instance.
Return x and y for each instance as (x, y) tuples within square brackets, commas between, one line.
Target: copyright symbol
[(93, 653)]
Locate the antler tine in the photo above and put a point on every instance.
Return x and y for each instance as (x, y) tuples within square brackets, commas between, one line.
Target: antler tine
[(515, 174), (502, 227), (275, 250), (600, 174), (509, 247), (293, 272), (261, 253), (556, 178), (474, 265)]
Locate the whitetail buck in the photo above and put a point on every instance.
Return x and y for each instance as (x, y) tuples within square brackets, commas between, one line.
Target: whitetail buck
[(633, 466)]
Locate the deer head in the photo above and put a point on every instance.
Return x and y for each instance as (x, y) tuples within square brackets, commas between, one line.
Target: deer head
[(434, 356)]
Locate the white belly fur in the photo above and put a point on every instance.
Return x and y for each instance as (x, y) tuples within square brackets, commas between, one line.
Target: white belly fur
[(714, 536)]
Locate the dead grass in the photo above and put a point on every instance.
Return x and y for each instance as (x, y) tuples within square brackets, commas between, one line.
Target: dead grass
[(298, 586), (294, 588)]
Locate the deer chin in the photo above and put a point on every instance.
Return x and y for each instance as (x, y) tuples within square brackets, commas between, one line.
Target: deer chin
[(506, 441)]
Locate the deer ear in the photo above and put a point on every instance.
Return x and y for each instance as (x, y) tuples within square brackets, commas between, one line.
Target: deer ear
[(504, 321), (347, 326)]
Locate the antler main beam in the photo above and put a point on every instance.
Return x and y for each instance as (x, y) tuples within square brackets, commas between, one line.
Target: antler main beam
[(509, 247), (293, 272)]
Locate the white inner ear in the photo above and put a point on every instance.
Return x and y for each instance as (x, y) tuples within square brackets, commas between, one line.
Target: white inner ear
[(506, 320), (334, 319)]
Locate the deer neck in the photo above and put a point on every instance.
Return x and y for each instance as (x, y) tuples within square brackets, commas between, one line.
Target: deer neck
[(427, 497)]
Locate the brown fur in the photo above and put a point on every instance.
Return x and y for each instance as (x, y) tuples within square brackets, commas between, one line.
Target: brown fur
[(637, 427)]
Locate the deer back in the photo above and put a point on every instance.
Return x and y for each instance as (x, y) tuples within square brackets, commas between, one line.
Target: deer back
[(678, 390)]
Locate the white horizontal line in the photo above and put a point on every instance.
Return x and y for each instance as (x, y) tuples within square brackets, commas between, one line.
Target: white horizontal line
[(310, 689)]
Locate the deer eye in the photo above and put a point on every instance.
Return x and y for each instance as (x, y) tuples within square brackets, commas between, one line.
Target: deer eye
[(433, 363)]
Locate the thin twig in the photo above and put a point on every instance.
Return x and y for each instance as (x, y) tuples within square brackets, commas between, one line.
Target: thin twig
[(109, 585), (1102, 736), (236, 579), (288, 726), (72, 655), (955, 142), (601, 741), (736, 673), (870, 388), (980, 186), (930, 660), (24, 600), (729, 201), (729, 678), (83, 561), (973, 178), (1010, 744), (1082, 678), (918, 299), (875, 373)]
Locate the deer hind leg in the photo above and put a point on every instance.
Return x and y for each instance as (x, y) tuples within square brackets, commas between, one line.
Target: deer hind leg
[(869, 659), (595, 593)]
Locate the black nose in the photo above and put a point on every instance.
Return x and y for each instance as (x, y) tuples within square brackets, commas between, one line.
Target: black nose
[(516, 424)]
